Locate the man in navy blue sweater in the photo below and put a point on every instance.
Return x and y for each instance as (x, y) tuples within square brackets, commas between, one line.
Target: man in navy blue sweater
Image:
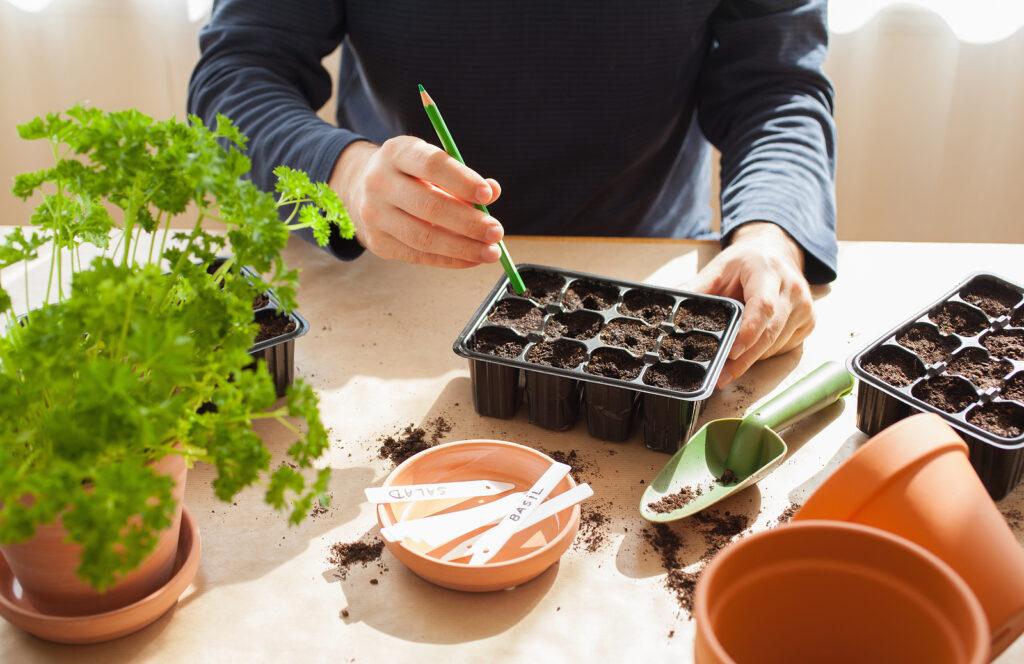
[(595, 117)]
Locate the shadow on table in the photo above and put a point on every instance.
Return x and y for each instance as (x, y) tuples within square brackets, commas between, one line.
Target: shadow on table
[(405, 606)]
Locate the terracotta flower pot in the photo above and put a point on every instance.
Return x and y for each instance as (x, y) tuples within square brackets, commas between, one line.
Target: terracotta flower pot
[(45, 565), (914, 479), (829, 591)]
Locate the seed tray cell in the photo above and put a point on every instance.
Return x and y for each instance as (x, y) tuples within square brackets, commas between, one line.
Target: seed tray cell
[(962, 357), (617, 351)]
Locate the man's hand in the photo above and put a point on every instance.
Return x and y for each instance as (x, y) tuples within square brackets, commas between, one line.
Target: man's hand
[(411, 201), (763, 268)]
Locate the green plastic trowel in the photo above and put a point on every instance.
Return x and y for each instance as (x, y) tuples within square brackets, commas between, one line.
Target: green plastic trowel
[(728, 455)]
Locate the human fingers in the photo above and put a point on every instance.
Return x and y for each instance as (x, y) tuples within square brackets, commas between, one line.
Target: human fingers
[(421, 237), (388, 247), (764, 319), (428, 162)]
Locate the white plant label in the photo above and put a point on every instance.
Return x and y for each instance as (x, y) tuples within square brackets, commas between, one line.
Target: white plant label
[(411, 492)]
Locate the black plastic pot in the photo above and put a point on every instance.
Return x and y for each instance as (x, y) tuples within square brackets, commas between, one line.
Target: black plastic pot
[(948, 359), (579, 309)]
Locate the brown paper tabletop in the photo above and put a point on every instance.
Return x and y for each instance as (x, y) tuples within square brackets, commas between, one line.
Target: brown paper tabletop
[(379, 353)]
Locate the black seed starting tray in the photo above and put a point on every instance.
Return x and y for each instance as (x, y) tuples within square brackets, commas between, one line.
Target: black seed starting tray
[(962, 357), (617, 350)]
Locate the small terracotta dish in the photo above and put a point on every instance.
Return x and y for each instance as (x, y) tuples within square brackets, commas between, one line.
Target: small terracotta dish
[(109, 625), (527, 555)]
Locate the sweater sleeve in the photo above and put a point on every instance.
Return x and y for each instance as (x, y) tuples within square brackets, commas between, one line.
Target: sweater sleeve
[(260, 65), (766, 105)]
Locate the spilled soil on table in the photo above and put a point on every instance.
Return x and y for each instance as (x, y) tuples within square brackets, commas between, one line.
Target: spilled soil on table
[(413, 439)]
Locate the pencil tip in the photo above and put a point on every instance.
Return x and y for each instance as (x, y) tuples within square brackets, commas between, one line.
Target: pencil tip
[(421, 88), (427, 101)]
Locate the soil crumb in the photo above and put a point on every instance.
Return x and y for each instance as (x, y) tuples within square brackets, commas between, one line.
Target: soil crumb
[(343, 555), (593, 531), (675, 501), (413, 439), (787, 514)]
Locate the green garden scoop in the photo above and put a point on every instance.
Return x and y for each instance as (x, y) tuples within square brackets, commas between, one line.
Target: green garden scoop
[(728, 455)]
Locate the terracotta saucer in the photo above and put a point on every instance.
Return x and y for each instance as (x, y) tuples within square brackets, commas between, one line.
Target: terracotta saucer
[(111, 624)]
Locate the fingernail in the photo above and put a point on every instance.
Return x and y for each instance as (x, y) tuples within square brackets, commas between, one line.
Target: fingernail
[(489, 254), (493, 234), (737, 351), (724, 379), (483, 193)]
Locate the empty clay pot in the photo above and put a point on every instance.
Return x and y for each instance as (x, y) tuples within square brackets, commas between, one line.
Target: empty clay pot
[(830, 591), (914, 479), (45, 564)]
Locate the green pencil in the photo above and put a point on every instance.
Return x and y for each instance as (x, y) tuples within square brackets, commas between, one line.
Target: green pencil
[(449, 146)]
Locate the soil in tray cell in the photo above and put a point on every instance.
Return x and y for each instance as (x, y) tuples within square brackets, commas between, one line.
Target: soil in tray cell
[(631, 335), (990, 296), (587, 294), (926, 341), (541, 287), (647, 305), (1018, 318), (1005, 343), (520, 315), (497, 341), (950, 394), (613, 363), (894, 366), (975, 365), (681, 376), (1003, 418), (574, 325), (260, 301), (563, 354), (958, 318), (1014, 388), (696, 346), (703, 315), (273, 324)]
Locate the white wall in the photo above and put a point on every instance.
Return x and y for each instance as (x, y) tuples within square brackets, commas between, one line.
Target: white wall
[(931, 129)]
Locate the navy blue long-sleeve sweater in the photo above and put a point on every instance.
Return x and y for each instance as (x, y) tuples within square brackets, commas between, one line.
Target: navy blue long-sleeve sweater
[(595, 116)]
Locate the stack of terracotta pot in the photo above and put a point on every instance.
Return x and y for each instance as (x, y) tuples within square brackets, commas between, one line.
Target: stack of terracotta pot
[(900, 556)]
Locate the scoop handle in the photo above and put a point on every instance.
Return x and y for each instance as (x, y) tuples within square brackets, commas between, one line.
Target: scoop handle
[(818, 389)]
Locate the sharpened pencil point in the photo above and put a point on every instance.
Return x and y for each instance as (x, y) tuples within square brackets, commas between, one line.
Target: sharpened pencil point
[(427, 101)]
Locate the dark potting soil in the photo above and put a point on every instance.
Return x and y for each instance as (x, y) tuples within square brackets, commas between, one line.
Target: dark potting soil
[(1014, 388), (681, 376), (1005, 343), (958, 318), (718, 530), (927, 342), (273, 324), (587, 294), (520, 315), (497, 341), (593, 533), (950, 394), (975, 365), (260, 301), (573, 324), (703, 315), (413, 439), (650, 306), (541, 287), (696, 346), (990, 296), (675, 501), (1005, 419), (787, 514), (614, 363), (895, 367), (344, 555), (1014, 517), (1018, 317), (563, 354), (630, 334)]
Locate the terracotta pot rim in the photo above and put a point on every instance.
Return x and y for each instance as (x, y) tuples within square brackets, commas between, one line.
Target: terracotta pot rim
[(386, 518), (702, 614)]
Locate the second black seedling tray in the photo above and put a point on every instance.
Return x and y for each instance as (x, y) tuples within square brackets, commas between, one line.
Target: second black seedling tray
[(962, 357), (557, 344)]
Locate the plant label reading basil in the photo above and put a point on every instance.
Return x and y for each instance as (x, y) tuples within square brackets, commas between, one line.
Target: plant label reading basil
[(495, 538), (410, 492), (545, 510)]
